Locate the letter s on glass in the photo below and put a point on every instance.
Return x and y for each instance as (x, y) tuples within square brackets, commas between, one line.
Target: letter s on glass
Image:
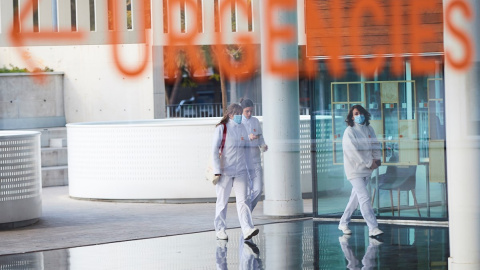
[(465, 62)]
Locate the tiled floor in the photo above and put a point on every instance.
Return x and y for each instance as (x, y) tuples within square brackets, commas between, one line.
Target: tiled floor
[(305, 244)]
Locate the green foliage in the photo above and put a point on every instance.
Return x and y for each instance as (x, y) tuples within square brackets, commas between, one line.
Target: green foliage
[(15, 69), (215, 76), (47, 69), (188, 82)]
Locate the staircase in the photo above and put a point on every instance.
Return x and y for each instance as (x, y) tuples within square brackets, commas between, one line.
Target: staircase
[(54, 156)]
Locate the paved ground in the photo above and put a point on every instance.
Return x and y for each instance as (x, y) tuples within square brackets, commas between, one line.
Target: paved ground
[(69, 223)]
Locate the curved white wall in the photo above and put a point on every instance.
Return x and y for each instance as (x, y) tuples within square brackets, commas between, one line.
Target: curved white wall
[(153, 159)]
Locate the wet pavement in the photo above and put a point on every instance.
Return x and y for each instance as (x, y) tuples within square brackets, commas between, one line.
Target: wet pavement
[(56, 242), (305, 244)]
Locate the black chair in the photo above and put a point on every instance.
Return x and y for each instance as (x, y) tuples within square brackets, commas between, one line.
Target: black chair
[(400, 178)]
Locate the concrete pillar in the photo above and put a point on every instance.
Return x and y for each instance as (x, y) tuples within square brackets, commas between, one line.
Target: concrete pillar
[(159, 107), (281, 124), (462, 107)]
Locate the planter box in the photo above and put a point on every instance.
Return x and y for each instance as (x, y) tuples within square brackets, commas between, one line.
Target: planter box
[(26, 102)]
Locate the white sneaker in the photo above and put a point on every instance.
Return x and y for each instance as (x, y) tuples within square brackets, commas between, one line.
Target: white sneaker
[(375, 232), (222, 243), (251, 249), (344, 229), (375, 242), (222, 235), (250, 233)]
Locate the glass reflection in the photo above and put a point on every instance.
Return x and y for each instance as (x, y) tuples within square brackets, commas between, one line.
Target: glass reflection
[(369, 260), (221, 254), (249, 255), (304, 244), (401, 247)]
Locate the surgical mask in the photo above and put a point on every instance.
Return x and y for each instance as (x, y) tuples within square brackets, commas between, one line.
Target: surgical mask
[(237, 118), (360, 119)]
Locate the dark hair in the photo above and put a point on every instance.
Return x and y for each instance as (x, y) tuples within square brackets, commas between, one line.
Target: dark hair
[(233, 108), (246, 103), (362, 110)]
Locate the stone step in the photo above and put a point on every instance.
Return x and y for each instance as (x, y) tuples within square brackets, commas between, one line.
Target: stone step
[(58, 142), (54, 156), (54, 176), (49, 134)]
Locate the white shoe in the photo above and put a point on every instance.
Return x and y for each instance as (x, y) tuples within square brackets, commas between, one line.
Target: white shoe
[(250, 233), (374, 242), (251, 249), (222, 235), (222, 243), (375, 232), (344, 229)]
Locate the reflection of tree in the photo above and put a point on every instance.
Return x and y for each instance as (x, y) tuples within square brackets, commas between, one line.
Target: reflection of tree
[(181, 64), (234, 52), (129, 14), (181, 67)]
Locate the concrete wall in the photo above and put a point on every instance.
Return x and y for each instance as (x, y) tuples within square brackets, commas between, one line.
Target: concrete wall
[(26, 102), (94, 89)]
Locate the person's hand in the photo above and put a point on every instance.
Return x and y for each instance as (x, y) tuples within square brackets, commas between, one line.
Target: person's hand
[(216, 178), (374, 165), (252, 137), (264, 148)]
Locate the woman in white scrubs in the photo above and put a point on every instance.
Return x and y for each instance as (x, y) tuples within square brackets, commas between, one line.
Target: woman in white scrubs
[(361, 155), (254, 130), (231, 169)]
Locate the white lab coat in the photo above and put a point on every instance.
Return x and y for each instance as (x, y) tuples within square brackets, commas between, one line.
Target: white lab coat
[(252, 126), (360, 148), (235, 155), (234, 174), (255, 172)]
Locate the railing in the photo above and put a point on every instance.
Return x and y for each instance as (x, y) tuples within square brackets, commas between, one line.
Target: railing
[(211, 110), (194, 110)]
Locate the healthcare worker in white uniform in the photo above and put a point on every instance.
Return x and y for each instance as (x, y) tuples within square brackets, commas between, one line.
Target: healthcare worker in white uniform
[(258, 145), (361, 155), (232, 171)]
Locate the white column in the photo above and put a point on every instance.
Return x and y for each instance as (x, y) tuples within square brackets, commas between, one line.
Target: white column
[(281, 124), (462, 99)]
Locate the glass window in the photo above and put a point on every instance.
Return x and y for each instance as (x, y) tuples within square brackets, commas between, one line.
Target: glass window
[(91, 5), (73, 14), (407, 114), (355, 92), (340, 92)]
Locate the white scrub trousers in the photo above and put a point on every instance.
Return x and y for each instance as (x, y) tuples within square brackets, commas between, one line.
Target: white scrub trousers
[(256, 185), (223, 189), (360, 196)]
